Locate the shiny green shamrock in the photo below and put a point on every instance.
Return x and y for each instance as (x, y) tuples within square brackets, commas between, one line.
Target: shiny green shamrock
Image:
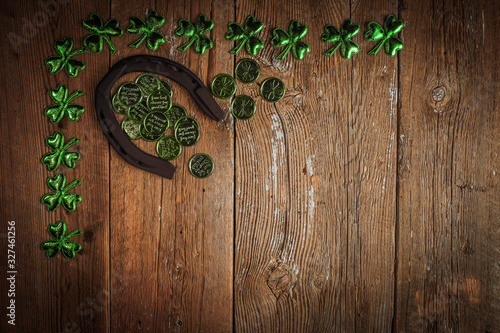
[(63, 107), (60, 195), (343, 38), (386, 35), (147, 30), (246, 34), (101, 33), (195, 34), (60, 152), (60, 241), (291, 39), (65, 58)]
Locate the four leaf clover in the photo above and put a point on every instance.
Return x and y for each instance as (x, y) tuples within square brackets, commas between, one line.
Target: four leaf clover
[(65, 58), (63, 107), (147, 30), (60, 242), (195, 34), (60, 153), (386, 35), (246, 34), (343, 39), (60, 195), (291, 39), (101, 32)]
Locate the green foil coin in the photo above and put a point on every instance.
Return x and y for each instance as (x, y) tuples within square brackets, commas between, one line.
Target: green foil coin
[(148, 83), (272, 89), (166, 86), (131, 128), (243, 107), (138, 112), (175, 113), (129, 94), (168, 148), (187, 131), (159, 101), (148, 136), (247, 70), (201, 165), (118, 106), (156, 123), (223, 86)]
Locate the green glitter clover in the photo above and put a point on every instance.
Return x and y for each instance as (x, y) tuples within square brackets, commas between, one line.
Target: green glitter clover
[(291, 39), (195, 33), (101, 33), (63, 107), (386, 36), (147, 30), (60, 153), (60, 242), (65, 58), (60, 195), (343, 38), (246, 34)]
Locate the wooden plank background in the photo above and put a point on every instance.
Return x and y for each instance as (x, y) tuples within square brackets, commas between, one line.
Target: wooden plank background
[(366, 200)]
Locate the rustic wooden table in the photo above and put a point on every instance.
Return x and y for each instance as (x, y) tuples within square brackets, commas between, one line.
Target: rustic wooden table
[(366, 200)]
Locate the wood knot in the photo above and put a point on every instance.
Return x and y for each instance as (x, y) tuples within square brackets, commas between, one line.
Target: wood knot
[(438, 93), (280, 280)]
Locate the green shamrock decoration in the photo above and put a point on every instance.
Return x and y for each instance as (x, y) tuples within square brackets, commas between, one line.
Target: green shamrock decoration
[(386, 35), (65, 58), (195, 34), (343, 38), (57, 111), (147, 30), (60, 242), (60, 153), (246, 34), (101, 33), (291, 39), (60, 195)]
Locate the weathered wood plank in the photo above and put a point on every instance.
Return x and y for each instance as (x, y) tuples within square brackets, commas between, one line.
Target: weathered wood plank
[(291, 172), (371, 187), (63, 294), (448, 187), (179, 232)]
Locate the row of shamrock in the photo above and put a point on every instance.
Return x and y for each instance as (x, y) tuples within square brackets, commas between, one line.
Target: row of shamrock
[(60, 154), (246, 34)]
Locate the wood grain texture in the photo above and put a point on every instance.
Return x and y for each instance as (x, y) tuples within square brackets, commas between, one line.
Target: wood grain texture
[(366, 200)]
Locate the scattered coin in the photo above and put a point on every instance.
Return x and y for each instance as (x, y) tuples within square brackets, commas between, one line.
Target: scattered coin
[(129, 94), (223, 86), (187, 131), (131, 128), (168, 148), (243, 107), (148, 83), (272, 89), (201, 165), (247, 70), (156, 123), (175, 113), (159, 101)]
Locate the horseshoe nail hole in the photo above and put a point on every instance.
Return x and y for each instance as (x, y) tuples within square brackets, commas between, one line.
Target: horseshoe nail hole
[(438, 93)]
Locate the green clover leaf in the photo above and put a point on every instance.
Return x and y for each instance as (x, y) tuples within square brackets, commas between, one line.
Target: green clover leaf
[(60, 242), (63, 107), (60, 153), (60, 195), (195, 34), (147, 30), (343, 39), (64, 59), (101, 33), (246, 34), (291, 39), (385, 35)]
